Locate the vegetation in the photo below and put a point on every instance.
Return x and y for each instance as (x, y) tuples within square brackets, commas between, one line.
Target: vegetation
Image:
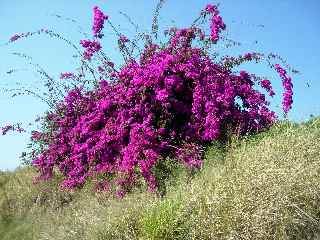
[(176, 118), (258, 187), (169, 100)]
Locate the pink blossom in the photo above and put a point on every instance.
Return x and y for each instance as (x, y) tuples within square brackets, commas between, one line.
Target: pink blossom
[(288, 87), (91, 47), (98, 22)]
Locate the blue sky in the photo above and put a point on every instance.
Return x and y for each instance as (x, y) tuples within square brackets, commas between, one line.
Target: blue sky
[(290, 29)]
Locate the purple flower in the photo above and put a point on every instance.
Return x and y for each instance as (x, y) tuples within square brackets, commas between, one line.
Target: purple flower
[(211, 9), (216, 26), (91, 47), (288, 87), (266, 84), (162, 95), (98, 22), (216, 22)]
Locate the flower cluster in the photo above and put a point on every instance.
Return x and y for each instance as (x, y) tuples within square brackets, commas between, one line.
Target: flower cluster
[(91, 47), (288, 87), (170, 102), (98, 22), (266, 84), (211, 8), (216, 24)]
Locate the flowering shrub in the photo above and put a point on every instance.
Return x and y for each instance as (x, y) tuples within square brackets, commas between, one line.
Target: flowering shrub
[(169, 102)]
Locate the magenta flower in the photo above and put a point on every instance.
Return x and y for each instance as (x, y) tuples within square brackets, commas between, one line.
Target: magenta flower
[(162, 95), (266, 84), (91, 47), (216, 24), (98, 22), (211, 9), (288, 89)]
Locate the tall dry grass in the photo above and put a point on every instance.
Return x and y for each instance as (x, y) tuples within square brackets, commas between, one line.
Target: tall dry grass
[(260, 187)]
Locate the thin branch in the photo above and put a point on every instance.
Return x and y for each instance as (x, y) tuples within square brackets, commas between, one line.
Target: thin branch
[(155, 20)]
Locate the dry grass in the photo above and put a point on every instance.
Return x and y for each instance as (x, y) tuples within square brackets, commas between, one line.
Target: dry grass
[(261, 187)]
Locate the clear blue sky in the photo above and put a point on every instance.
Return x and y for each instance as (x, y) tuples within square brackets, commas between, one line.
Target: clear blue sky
[(291, 30)]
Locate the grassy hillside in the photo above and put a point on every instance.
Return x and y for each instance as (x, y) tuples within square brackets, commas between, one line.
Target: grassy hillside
[(261, 187)]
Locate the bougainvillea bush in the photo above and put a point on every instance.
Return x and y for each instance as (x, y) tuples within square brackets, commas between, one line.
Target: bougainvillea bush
[(169, 101)]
